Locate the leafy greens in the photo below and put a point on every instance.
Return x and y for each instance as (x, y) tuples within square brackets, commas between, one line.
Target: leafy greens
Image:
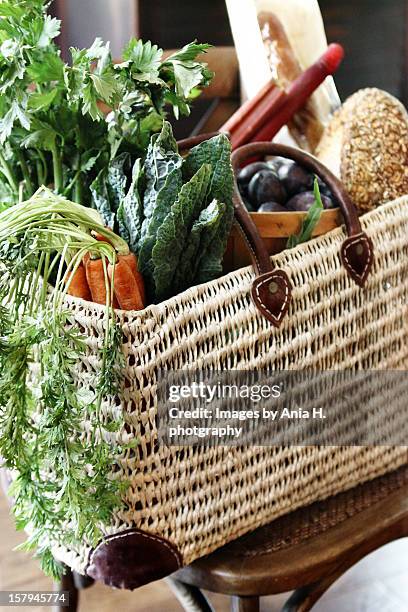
[(177, 213), (63, 125)]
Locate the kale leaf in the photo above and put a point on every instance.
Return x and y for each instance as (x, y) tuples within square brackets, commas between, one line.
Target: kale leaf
[(217, 152), (202, 234), (130, 210), (183, 219), (175, 230)]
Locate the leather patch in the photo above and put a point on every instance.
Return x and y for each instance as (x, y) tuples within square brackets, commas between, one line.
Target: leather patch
[(272, 294), (132, 558), (358, 256)]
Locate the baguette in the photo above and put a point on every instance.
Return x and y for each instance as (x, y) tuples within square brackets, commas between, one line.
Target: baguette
[(305, 128)]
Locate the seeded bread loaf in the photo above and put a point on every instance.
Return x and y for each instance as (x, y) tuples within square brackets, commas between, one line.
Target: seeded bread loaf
[(366, 146)]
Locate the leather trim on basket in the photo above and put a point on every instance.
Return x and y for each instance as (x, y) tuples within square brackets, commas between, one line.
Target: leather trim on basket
[(358, 257), (272, 294), (132, 558)]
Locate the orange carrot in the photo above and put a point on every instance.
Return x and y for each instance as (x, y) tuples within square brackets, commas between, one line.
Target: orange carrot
[(78, 285), (131, 261), (85, 259), (96, 280), (125, 286)]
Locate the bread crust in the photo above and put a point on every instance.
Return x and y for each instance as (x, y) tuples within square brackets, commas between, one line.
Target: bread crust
[(284, 65), (305, 127), (370, 131)]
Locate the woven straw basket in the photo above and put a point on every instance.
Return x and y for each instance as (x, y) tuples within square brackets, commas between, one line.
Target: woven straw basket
[(183, 503)]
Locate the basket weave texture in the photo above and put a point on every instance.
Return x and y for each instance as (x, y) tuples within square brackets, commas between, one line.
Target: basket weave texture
[(199, 499)]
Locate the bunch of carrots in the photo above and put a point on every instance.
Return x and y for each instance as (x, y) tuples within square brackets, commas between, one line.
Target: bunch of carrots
[(91, 261), (88, 282)]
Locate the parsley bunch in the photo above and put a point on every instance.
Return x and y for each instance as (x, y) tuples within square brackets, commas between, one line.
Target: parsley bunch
[(61, 124)]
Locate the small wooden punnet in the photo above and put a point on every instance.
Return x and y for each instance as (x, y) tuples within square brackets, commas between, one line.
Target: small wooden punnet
[(275, 229)]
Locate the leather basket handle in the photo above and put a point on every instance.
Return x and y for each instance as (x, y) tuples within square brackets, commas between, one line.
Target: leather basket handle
[(271, 290), (357, 250)]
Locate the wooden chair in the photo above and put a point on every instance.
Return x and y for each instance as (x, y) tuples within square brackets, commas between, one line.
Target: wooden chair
[(304, 552)]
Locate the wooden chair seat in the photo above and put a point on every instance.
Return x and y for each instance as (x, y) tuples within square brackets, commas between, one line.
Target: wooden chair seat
[(305, 551)]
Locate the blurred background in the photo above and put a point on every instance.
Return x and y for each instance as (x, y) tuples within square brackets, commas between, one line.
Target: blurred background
[(373, 32)]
